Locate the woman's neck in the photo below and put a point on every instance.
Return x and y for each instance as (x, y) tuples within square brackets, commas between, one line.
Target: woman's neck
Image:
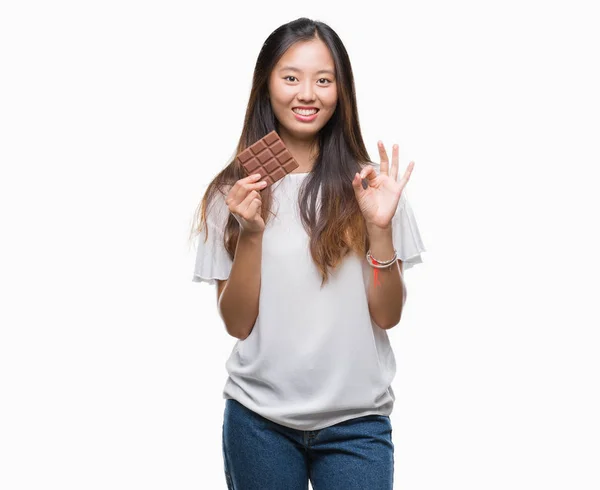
[(304, 152)]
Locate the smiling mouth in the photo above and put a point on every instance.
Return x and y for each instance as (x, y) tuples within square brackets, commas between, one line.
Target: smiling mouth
[(305, 112)]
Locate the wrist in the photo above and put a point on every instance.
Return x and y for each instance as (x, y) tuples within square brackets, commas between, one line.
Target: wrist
[(251, 236), (375, 231)]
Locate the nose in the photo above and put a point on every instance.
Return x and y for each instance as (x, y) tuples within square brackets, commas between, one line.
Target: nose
[(306, 92)]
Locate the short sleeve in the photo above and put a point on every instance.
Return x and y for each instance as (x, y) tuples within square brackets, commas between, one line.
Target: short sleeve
[(405, 234), (212, 260)]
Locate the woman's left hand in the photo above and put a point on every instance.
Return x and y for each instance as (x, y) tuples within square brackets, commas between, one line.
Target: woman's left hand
[(378, 202)]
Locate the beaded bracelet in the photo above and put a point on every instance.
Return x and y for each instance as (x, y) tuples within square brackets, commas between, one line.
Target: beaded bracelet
[(378, 264)]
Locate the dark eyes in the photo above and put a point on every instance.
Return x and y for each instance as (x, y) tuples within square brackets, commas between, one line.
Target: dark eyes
[(292, 76)]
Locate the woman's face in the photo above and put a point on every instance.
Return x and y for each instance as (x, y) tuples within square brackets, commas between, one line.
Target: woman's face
[(303, 80)]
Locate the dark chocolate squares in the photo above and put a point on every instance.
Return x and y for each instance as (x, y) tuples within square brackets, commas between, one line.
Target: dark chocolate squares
[(268, 157)]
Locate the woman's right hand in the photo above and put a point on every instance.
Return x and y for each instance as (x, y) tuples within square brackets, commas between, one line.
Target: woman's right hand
[(245, 203)]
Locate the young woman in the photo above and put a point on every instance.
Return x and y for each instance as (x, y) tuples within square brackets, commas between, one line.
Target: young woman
[(309, 278)]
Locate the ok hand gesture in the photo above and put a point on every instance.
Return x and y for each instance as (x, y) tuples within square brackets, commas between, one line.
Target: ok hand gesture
[(378, 202)]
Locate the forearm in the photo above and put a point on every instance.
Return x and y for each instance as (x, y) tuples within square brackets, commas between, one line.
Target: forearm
[(238, 304), (387, 298)]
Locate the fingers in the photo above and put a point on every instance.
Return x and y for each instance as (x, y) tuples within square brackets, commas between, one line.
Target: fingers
[(361, 180), (248, 207), (245, 203), (407, 173), (368, 172), (383, 169), (242, 188), (395, 163), (255, 207), (357, 183)]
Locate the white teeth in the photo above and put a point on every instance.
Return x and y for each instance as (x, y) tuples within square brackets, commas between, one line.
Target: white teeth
[(305, 112)]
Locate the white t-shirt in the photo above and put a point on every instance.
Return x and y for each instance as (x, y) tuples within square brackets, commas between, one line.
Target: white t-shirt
[(314, 357)]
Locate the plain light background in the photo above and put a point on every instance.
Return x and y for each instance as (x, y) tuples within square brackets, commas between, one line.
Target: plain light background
[(114, 116)]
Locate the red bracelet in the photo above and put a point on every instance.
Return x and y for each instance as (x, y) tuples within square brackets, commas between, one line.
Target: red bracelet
[(377, 264)]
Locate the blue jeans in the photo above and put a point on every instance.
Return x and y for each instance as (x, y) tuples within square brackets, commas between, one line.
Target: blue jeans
[(258, 454)]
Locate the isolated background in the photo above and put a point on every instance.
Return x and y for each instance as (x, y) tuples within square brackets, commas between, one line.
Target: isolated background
[(115, 115)]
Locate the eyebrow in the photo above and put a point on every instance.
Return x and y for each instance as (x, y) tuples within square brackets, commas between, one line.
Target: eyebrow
[(293, 68)]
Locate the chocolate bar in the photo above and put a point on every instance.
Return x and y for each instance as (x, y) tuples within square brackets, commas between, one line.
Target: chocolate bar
[(268, 157)]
